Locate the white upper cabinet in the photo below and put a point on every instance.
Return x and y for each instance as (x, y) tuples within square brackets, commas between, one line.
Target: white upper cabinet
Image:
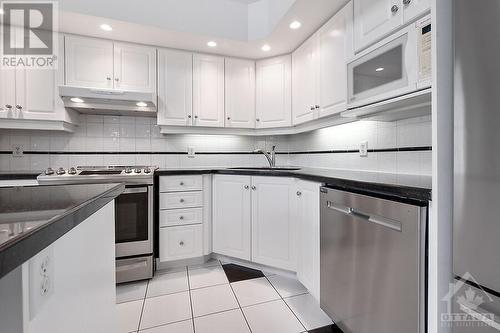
[(7, 92), (134, 67), (274, 222), (175, 88), (89, 62), (231, 222), (208, 90), (335, 49), (376, 19), (240, 93), (304, 82), (273, 92)]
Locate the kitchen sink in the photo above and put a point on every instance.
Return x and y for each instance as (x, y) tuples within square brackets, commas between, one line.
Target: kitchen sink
[(267, 168)]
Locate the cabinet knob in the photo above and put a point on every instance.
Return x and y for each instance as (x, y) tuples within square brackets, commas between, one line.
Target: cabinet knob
[(247, 187), (299, 193), (254, 187), (19, 107), (108, 78), (117, 79), (228, 118), (394, 9), (312, 108), (182, 200), (195, 117), (189, 116), (181, 243), (258, 119), (317, 106), (181, 217), (181, 183), (8, 106), (406, 2)]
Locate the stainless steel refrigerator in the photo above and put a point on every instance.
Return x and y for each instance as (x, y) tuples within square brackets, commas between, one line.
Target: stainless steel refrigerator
[(475, 299)]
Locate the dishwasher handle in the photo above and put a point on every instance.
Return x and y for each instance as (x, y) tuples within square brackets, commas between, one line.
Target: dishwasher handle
[(376, 219)]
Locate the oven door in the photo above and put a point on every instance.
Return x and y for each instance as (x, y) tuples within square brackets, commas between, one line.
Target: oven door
[(134, 221), (387, 70)]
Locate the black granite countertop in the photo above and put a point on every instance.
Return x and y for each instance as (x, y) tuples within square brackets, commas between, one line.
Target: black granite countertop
[(15, 175), (33, 217), (412, 189)]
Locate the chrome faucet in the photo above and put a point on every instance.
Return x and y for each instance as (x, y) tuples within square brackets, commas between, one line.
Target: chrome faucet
[(271, 156)]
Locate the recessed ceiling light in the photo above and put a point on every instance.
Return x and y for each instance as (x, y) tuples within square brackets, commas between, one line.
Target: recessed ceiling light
[(266, 48), (106, 27), (295, 25), (212, 44), (141, 104), (380, 69), (77, 100)]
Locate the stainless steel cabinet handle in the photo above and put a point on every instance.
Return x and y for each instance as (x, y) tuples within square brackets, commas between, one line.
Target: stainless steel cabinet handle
[(254, 187), (406, 2), (394, 9), (135, 190), (247, 187), (181, 243), (19, 107), (299, 193), (182, 200), (8, 106)]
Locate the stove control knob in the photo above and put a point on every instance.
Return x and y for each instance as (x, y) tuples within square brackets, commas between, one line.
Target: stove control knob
[(137, 170), (147, 170), (49, 171), (128, 170), (72, 171), (61, 171)]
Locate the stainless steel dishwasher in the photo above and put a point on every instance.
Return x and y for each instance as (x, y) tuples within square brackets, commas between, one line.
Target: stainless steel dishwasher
[(372, 263)]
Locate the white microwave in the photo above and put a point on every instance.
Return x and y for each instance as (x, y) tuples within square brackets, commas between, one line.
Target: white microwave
[(396, 66)]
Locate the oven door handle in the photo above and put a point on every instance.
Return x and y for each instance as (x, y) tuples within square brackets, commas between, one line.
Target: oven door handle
[(135, 190), (140, 264)]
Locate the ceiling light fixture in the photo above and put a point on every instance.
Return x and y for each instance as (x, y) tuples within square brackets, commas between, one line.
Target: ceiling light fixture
[(77, 100), (106, 27), (266, 48), (380, 69), (212, 44), (141, 104), (295, 25)]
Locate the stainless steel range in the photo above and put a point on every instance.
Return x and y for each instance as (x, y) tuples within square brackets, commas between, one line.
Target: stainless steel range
[(133, 212)]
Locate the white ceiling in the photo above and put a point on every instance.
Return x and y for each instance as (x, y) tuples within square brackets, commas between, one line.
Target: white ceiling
[(240, 27)]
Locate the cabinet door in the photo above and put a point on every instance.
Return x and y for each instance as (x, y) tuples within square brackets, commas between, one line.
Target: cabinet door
[(335, 49), (304, 82), (274, 234), (273, 92), (7, 92), (134, 67), (308, 236), (415, 8), (240, 93), (208, 90), (89, 62), (175, 88), (231, 216), (375, 19)]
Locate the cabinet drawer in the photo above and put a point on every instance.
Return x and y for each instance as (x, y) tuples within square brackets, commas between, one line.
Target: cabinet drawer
[(181, 200), (174, 217), (181, 242), (181, 183)]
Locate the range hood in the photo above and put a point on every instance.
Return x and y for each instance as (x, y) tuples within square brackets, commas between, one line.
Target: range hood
[(108, 101)]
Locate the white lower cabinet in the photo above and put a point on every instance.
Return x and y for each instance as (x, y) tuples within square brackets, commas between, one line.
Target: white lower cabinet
[(231, 222), (307, 203), (181, 242)]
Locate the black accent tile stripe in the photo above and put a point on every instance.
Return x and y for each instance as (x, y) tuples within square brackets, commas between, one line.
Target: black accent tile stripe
[(327, 329), (237, 273)]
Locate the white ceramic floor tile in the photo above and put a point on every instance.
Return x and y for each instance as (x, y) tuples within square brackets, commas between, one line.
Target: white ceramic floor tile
[(287, 287), (249, 292), (171, 270), (128, 316), (224, 322), (170, 283), (213, 299), (180, 327), (272, 317), (308, 311), (209, 263), (166, 309), (206, 277), (131, 291)]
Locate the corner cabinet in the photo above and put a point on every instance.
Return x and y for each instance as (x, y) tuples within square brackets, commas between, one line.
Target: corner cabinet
[(240, 93), (175, 88), (274, 92), (208, 90)]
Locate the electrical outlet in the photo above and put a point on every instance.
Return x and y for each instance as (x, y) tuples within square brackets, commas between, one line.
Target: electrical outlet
[(17, 151), (363, 149), (41, 280), (191, 152)]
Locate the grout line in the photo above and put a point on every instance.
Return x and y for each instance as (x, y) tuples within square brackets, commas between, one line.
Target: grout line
[(143, 305), (241, 309), (170, 323), (190, 299), (215, 285), (217, 312), (287, 305)]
